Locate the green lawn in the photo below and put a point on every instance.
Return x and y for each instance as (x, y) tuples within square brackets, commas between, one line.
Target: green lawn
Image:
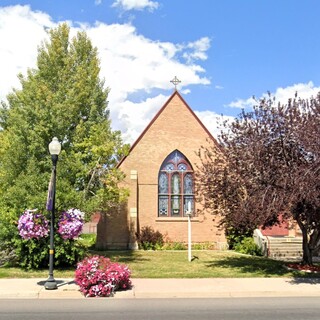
[(175, 264)]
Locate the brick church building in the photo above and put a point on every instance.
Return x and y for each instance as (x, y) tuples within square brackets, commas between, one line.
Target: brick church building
[(160, 173)]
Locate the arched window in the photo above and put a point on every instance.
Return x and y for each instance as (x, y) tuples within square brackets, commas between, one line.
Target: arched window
[(175, 186)]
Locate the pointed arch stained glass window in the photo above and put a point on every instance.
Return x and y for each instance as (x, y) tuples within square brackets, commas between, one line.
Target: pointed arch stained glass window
[(175, 186)]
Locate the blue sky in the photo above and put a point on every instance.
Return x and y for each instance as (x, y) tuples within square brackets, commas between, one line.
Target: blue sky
[(223, 51)]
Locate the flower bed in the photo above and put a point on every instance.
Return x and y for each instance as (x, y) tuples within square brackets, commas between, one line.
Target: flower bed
[(302, 267), (97, 276)]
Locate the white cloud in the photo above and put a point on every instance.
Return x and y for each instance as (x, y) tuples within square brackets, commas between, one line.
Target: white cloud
[(134, 67), (282, 95), (198, 50), (243, 103), (185, 91), (303, 90), (97, 2), (136, 4), (213, 121), (21, 31), (136, 116)]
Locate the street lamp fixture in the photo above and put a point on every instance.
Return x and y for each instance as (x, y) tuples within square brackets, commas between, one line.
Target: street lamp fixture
[(54, 149)]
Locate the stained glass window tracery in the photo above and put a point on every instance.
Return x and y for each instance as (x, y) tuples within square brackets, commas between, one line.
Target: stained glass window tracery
[(175, 186)]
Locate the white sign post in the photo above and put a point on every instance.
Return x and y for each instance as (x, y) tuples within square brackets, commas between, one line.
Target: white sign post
[(189, 213)]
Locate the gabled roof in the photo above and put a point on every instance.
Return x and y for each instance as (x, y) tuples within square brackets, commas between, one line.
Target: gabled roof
[(175, 93)]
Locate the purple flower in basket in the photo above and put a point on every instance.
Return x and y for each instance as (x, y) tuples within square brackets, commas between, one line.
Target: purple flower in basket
[(33, 225), (71, 223)]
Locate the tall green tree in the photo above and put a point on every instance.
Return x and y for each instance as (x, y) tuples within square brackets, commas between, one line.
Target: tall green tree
[(270, 165), (62, 97)]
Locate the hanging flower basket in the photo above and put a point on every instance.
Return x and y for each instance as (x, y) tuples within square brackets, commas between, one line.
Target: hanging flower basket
[(71, 223), (33, 225)]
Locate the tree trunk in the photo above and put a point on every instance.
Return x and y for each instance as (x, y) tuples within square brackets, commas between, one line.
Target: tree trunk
[(307, 252)]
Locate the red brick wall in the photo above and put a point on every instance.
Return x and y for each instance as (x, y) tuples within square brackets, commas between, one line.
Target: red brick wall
[(176, 127)]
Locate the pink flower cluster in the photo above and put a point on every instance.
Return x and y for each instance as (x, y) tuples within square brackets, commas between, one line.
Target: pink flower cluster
[(71, 223), (32, 225), (97, 276)]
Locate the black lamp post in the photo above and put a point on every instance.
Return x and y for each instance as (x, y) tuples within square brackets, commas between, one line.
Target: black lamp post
[(54, 149)]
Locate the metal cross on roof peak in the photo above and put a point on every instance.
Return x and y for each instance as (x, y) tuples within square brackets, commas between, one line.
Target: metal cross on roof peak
[(175, 81)]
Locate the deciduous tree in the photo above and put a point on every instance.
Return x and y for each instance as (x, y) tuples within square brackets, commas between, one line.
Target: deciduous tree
[(62, 97), (268, 164)]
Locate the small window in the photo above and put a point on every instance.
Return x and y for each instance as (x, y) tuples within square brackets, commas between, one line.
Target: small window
[(175, 186)]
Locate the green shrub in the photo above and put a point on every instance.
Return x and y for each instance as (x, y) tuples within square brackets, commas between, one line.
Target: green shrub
[(241, 240), (169, 245), (8, 232), (34, 253), (88, 239), (68, 252), (174, 246), (149, 239), (8, 257), (203, 246), (235, 236), (248, 246)]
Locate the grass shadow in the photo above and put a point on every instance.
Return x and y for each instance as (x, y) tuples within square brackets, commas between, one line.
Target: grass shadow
[(258, 266), (126, 256)]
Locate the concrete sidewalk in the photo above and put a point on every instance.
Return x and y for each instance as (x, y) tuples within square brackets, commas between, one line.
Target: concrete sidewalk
[(168, 288)]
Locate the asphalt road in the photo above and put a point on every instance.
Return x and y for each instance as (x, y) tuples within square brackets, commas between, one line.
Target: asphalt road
[(155, 309)]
